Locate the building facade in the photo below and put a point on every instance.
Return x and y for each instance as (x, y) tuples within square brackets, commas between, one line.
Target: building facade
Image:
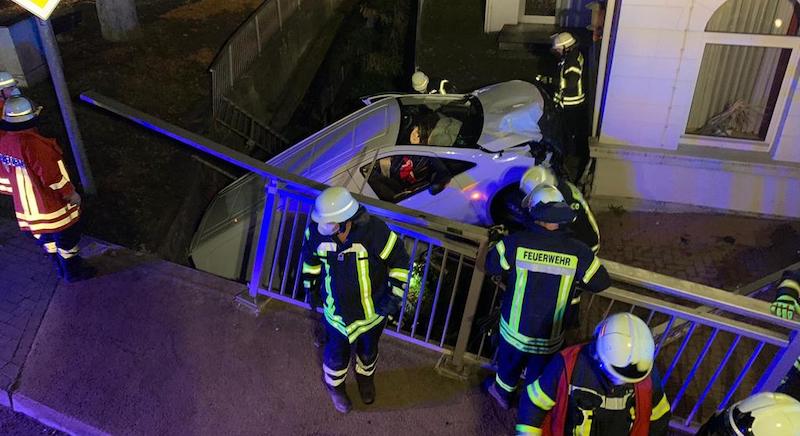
[(698, 104)]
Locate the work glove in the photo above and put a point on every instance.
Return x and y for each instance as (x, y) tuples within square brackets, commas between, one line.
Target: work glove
[(389, 305), (785, 306), (497, 232), (74, 199)]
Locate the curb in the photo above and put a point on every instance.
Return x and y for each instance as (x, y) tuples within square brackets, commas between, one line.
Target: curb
[(52, 418)]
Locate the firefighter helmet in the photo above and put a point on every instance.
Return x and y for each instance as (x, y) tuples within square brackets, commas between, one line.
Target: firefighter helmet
[(563, 40), (625, 348), (764, 414), (7, 80), (535, 176), (19, 110), (334, 205), (419, 81), (546, 204)]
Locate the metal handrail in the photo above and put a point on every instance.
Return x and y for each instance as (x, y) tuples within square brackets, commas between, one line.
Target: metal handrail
[(696, 292), (399, 213)]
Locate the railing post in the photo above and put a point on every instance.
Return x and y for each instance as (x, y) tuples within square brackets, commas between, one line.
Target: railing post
[(475, 287), (258, 33), (230, 64), (280, 18), (263, 236), (781, 364)]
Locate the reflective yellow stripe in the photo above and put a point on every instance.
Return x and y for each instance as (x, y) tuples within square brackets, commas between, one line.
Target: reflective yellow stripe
[(54, 225), (399, 274), (791, 284), (5, 181), (397, 292), (362, 265), (387, 250), (501, 250), (528, 430), (61, 183), (576, 193), (309, 269), (45, 216), (562, 302), (502, 384), (539, 398), (23, 197), (661, 409), (573, 70), (6, 189), (591, 270)]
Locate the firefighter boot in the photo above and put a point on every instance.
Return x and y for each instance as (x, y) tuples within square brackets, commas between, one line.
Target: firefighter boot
[(366, 387), (340, 399), (75, 270), (56, 264), (490, 387)]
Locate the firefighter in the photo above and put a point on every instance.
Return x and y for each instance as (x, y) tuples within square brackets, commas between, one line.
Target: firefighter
[(362, 267), (570, 98), (584, 228), (785, 306), (46, 203), (761, 414), (544, 265), (604, 387), (420, 83)]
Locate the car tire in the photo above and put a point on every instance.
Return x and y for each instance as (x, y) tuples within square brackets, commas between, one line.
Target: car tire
[(499, 211)]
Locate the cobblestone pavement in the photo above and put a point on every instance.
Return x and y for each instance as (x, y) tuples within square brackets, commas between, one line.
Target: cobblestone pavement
[(25, 291), (724, 251)]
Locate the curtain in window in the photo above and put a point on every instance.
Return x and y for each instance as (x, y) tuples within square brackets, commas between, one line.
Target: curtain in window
[(745, 77)]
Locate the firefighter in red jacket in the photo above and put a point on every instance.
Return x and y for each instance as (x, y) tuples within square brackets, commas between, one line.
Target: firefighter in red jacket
[(605, 387), (45, 201)]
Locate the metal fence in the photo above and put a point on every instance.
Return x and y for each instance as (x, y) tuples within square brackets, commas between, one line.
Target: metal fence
[(714, 347), (235, 58)]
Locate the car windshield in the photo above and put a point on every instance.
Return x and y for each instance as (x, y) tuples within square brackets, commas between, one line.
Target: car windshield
[(440, 122)]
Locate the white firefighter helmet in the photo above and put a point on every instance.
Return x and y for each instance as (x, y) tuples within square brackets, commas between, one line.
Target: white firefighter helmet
[(7, 80), (625, 348), (535, 176), (19, 110), (14, 92), (546, 203), (334, 205), (419, 81), (563, 40), (765, 414)]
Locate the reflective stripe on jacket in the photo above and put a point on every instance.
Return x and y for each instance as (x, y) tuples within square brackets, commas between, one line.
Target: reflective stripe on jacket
[(33, 172), (570, 80), (355, 275), (543, 269)]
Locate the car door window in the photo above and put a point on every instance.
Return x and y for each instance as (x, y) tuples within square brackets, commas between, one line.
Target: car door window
[(395, 178)]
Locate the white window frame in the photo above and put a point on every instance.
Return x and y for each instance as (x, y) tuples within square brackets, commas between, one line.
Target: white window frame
[(781, 106), (534, 19)]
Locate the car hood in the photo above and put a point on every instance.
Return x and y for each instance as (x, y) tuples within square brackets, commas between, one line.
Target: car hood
[(511, 113)]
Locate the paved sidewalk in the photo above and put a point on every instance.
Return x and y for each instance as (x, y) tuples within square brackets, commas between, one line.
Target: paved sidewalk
[(150, 347), (25, 290)]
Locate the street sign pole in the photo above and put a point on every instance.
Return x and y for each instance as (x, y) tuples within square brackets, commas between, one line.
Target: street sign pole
[(54, 64)]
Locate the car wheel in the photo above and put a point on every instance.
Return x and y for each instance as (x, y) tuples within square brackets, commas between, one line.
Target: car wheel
[(502, 211)]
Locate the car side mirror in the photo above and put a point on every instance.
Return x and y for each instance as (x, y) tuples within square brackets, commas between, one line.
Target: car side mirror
[(438, 187)]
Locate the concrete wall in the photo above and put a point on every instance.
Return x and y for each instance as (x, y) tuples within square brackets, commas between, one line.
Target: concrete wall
[(499, 13), (732, 185), (21, 52), (641, 153)]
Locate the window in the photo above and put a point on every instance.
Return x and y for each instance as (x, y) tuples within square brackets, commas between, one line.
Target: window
[(396, 178), (742, 85)]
